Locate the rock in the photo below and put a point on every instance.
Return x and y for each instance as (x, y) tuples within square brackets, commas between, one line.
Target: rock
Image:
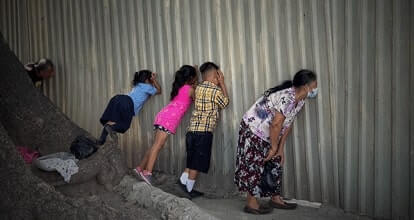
[(167, 205), (25, 196)]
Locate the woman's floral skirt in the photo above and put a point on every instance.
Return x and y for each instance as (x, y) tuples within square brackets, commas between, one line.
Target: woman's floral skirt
[(251, 152)]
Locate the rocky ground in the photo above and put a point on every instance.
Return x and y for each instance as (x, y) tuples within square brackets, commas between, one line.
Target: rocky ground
[(113, 199)]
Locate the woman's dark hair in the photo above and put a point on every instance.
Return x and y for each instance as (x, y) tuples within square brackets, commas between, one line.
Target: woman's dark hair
[(302, 77), (182, 76), (208, 66), (43, 64), (141, 76)]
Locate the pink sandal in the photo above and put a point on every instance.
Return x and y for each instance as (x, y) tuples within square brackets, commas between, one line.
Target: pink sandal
[(138, 170)]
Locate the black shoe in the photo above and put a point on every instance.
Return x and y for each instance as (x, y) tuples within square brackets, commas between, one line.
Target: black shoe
[(194, 194), (261, 211), (292, 205), (182, 186), (282, 206), (100, 142)]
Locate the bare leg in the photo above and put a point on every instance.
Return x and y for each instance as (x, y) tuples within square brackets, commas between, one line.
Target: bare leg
[(110, 123), (192, 174), (145, 159), (104, 133), (252, 202), (277, 199), (160, 139)]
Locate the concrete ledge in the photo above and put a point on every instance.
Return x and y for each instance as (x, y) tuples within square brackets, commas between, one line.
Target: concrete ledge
[(166, 205)]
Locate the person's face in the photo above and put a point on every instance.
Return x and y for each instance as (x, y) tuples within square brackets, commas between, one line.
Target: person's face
[(311, 89), (312, 85), (48, 73), (152, 78)]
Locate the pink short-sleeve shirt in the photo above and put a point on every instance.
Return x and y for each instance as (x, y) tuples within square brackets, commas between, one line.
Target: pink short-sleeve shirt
[(170, 116)]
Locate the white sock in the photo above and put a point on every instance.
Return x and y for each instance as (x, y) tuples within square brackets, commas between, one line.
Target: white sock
[(190, 185), (184, 178)]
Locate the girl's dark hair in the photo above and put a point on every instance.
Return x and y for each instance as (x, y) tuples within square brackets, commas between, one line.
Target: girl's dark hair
[(182, 76), (302, 77), (208, 66), (141, 76), (43, 64)]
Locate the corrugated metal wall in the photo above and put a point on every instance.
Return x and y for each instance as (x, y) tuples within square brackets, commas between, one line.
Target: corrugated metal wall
[(352, 147)]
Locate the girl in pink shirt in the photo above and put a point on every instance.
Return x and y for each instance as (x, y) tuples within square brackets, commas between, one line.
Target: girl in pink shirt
[(168, 119)]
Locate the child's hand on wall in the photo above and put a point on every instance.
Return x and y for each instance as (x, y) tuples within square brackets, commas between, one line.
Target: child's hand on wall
[(220, 77)]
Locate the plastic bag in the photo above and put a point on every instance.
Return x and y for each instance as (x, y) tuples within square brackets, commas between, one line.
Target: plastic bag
[(268, 181)]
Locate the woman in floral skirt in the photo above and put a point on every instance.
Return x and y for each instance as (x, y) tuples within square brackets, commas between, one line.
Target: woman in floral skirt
[(262, 136)]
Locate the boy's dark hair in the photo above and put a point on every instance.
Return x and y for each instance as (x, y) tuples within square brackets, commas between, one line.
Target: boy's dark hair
[(141, 76), (205, 67)]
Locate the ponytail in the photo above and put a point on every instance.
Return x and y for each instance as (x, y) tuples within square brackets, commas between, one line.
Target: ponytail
[(286, 84)]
